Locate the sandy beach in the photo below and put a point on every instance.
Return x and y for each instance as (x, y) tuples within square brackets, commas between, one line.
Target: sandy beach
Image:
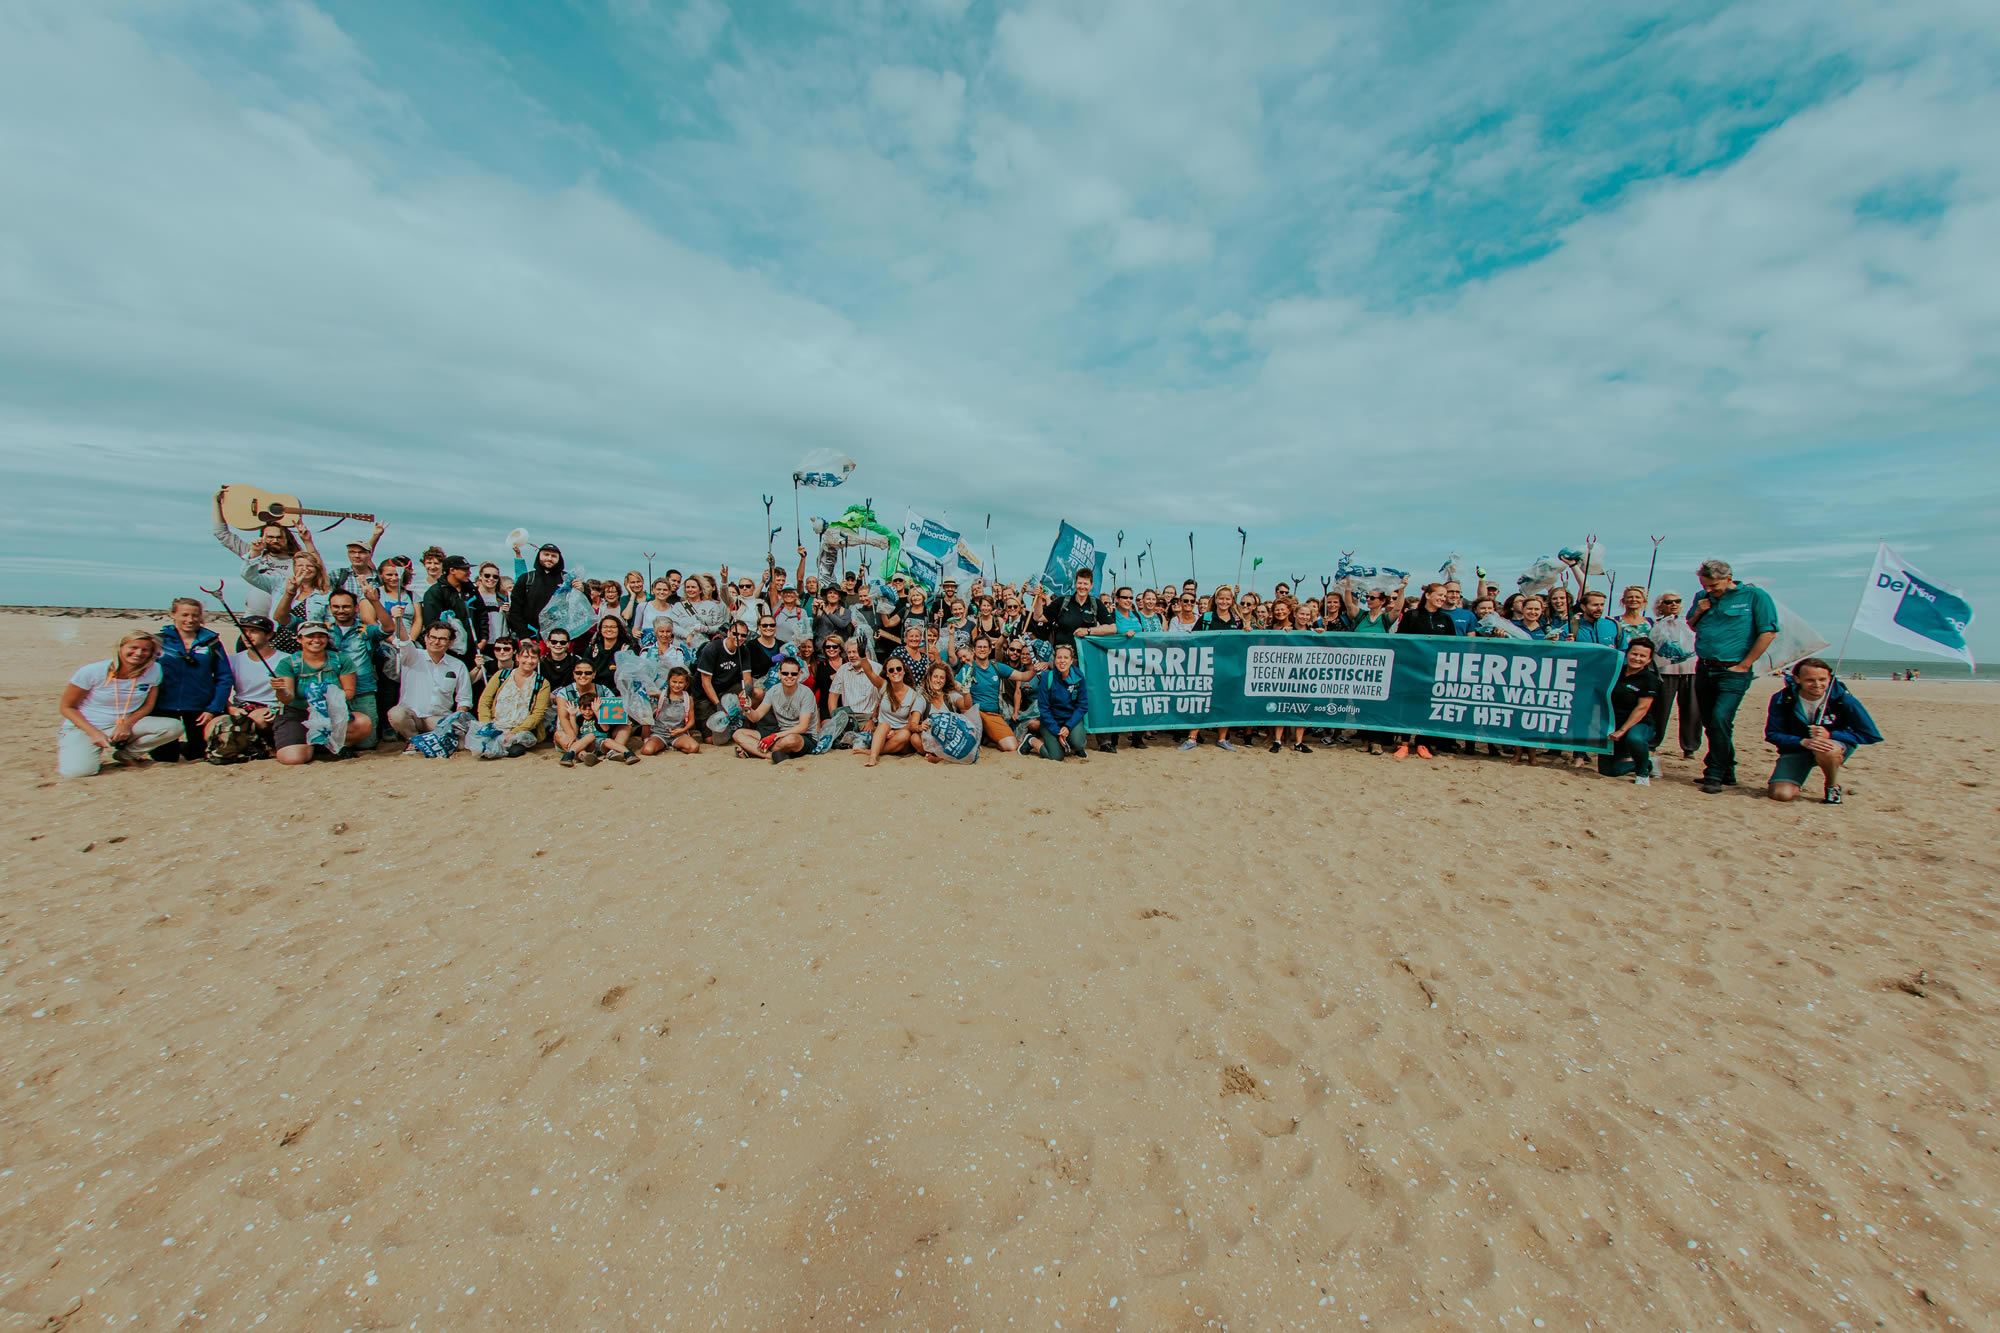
[(1158, 1041)]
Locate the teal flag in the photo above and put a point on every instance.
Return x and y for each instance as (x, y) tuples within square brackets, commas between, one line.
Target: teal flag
[(1508, 691)]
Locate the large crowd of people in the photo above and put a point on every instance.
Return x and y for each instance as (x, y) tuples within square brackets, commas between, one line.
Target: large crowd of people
[(441, 656)]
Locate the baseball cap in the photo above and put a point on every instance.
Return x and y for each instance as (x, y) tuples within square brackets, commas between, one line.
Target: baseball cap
[(457, 562), (314, 627), (264, 623)]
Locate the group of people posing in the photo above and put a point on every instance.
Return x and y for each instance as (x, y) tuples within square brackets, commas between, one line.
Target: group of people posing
[(329, 663)]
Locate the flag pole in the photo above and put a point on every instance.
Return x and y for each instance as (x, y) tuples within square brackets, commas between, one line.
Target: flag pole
[(798, 529), (1242, 546), (1880, 542), (1191, 572)]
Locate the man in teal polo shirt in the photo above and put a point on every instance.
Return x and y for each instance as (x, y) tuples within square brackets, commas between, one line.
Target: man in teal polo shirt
[(353, 642), (1733, 624)]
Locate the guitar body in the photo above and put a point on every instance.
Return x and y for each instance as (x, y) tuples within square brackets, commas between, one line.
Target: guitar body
[(251, 507)]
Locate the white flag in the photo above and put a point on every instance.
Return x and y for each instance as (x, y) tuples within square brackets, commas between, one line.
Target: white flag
[(1902, 607)]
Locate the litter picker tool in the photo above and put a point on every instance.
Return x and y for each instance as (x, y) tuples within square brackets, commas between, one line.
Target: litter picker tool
[(228, 610)]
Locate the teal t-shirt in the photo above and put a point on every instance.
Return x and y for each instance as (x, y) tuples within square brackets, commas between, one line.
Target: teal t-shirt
[(1733, 622), (984, 683), (1364, 625), (355, 646), (293, 668)]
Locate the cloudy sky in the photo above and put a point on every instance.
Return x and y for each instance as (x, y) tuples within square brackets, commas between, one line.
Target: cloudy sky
[(1391, 278)]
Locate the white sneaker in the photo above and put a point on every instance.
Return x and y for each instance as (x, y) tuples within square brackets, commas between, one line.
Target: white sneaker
[(1642, 782)]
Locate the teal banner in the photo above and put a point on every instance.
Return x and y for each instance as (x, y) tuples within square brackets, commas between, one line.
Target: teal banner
[(1509, 691)]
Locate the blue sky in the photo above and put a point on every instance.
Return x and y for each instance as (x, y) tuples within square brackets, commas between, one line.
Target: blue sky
[(1375, 277)]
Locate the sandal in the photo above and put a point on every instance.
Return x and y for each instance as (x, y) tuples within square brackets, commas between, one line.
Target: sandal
[(625, 757), (1834, 796), (568, 759), (590, 758)]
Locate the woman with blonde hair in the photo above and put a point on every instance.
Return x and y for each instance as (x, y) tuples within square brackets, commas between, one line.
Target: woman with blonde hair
[(107, 710), (305, 593)]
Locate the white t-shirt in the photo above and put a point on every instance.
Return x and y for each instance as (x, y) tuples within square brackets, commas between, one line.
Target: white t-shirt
[(106, 699), (858, 694), (253, 679)]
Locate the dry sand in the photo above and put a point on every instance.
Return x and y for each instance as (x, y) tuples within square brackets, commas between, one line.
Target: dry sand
[(1160, 1041)]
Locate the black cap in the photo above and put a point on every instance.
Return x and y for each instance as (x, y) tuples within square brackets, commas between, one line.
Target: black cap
[(264, 623), (457, 562)]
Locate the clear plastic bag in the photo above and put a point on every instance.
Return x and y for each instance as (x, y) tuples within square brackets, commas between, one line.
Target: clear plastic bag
[(568, 611), (1796, 639), (1545, 573), (326, 716), (640, 680), (1364, 579)]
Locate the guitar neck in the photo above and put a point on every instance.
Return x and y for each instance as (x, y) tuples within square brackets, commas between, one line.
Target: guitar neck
[(332, 513)]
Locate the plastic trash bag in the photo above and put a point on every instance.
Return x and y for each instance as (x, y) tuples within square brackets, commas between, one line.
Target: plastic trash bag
[(832, 730), (568, 611), (1593, 557), (442, 741), (1507, 629), (1796, 639), (326, 716), (1545, 573), (1370, 578), (1448, 571), (640, 680), (951, 736)]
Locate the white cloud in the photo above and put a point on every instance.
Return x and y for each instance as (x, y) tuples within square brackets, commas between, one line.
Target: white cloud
[(930, 104), (1141, 251)]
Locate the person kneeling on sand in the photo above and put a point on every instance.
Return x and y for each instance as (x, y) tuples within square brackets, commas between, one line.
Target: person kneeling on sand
[(106, 710), (589, 719), (304, 679), (1815, 723)]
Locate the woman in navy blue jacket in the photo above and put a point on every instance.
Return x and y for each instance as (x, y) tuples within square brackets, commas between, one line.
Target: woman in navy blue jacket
[(194, 679), (1062, 702), (1815, 723)]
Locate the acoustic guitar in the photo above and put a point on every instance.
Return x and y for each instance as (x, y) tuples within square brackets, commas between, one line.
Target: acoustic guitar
[(250, 507)]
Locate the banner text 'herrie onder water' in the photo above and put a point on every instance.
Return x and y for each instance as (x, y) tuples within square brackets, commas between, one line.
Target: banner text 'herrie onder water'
[(1504, 690)]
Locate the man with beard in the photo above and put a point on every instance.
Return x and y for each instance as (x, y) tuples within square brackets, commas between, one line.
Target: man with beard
[(533, 590)]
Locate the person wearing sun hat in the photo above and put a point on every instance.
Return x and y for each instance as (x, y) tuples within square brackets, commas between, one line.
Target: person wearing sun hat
[(312, 673)]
